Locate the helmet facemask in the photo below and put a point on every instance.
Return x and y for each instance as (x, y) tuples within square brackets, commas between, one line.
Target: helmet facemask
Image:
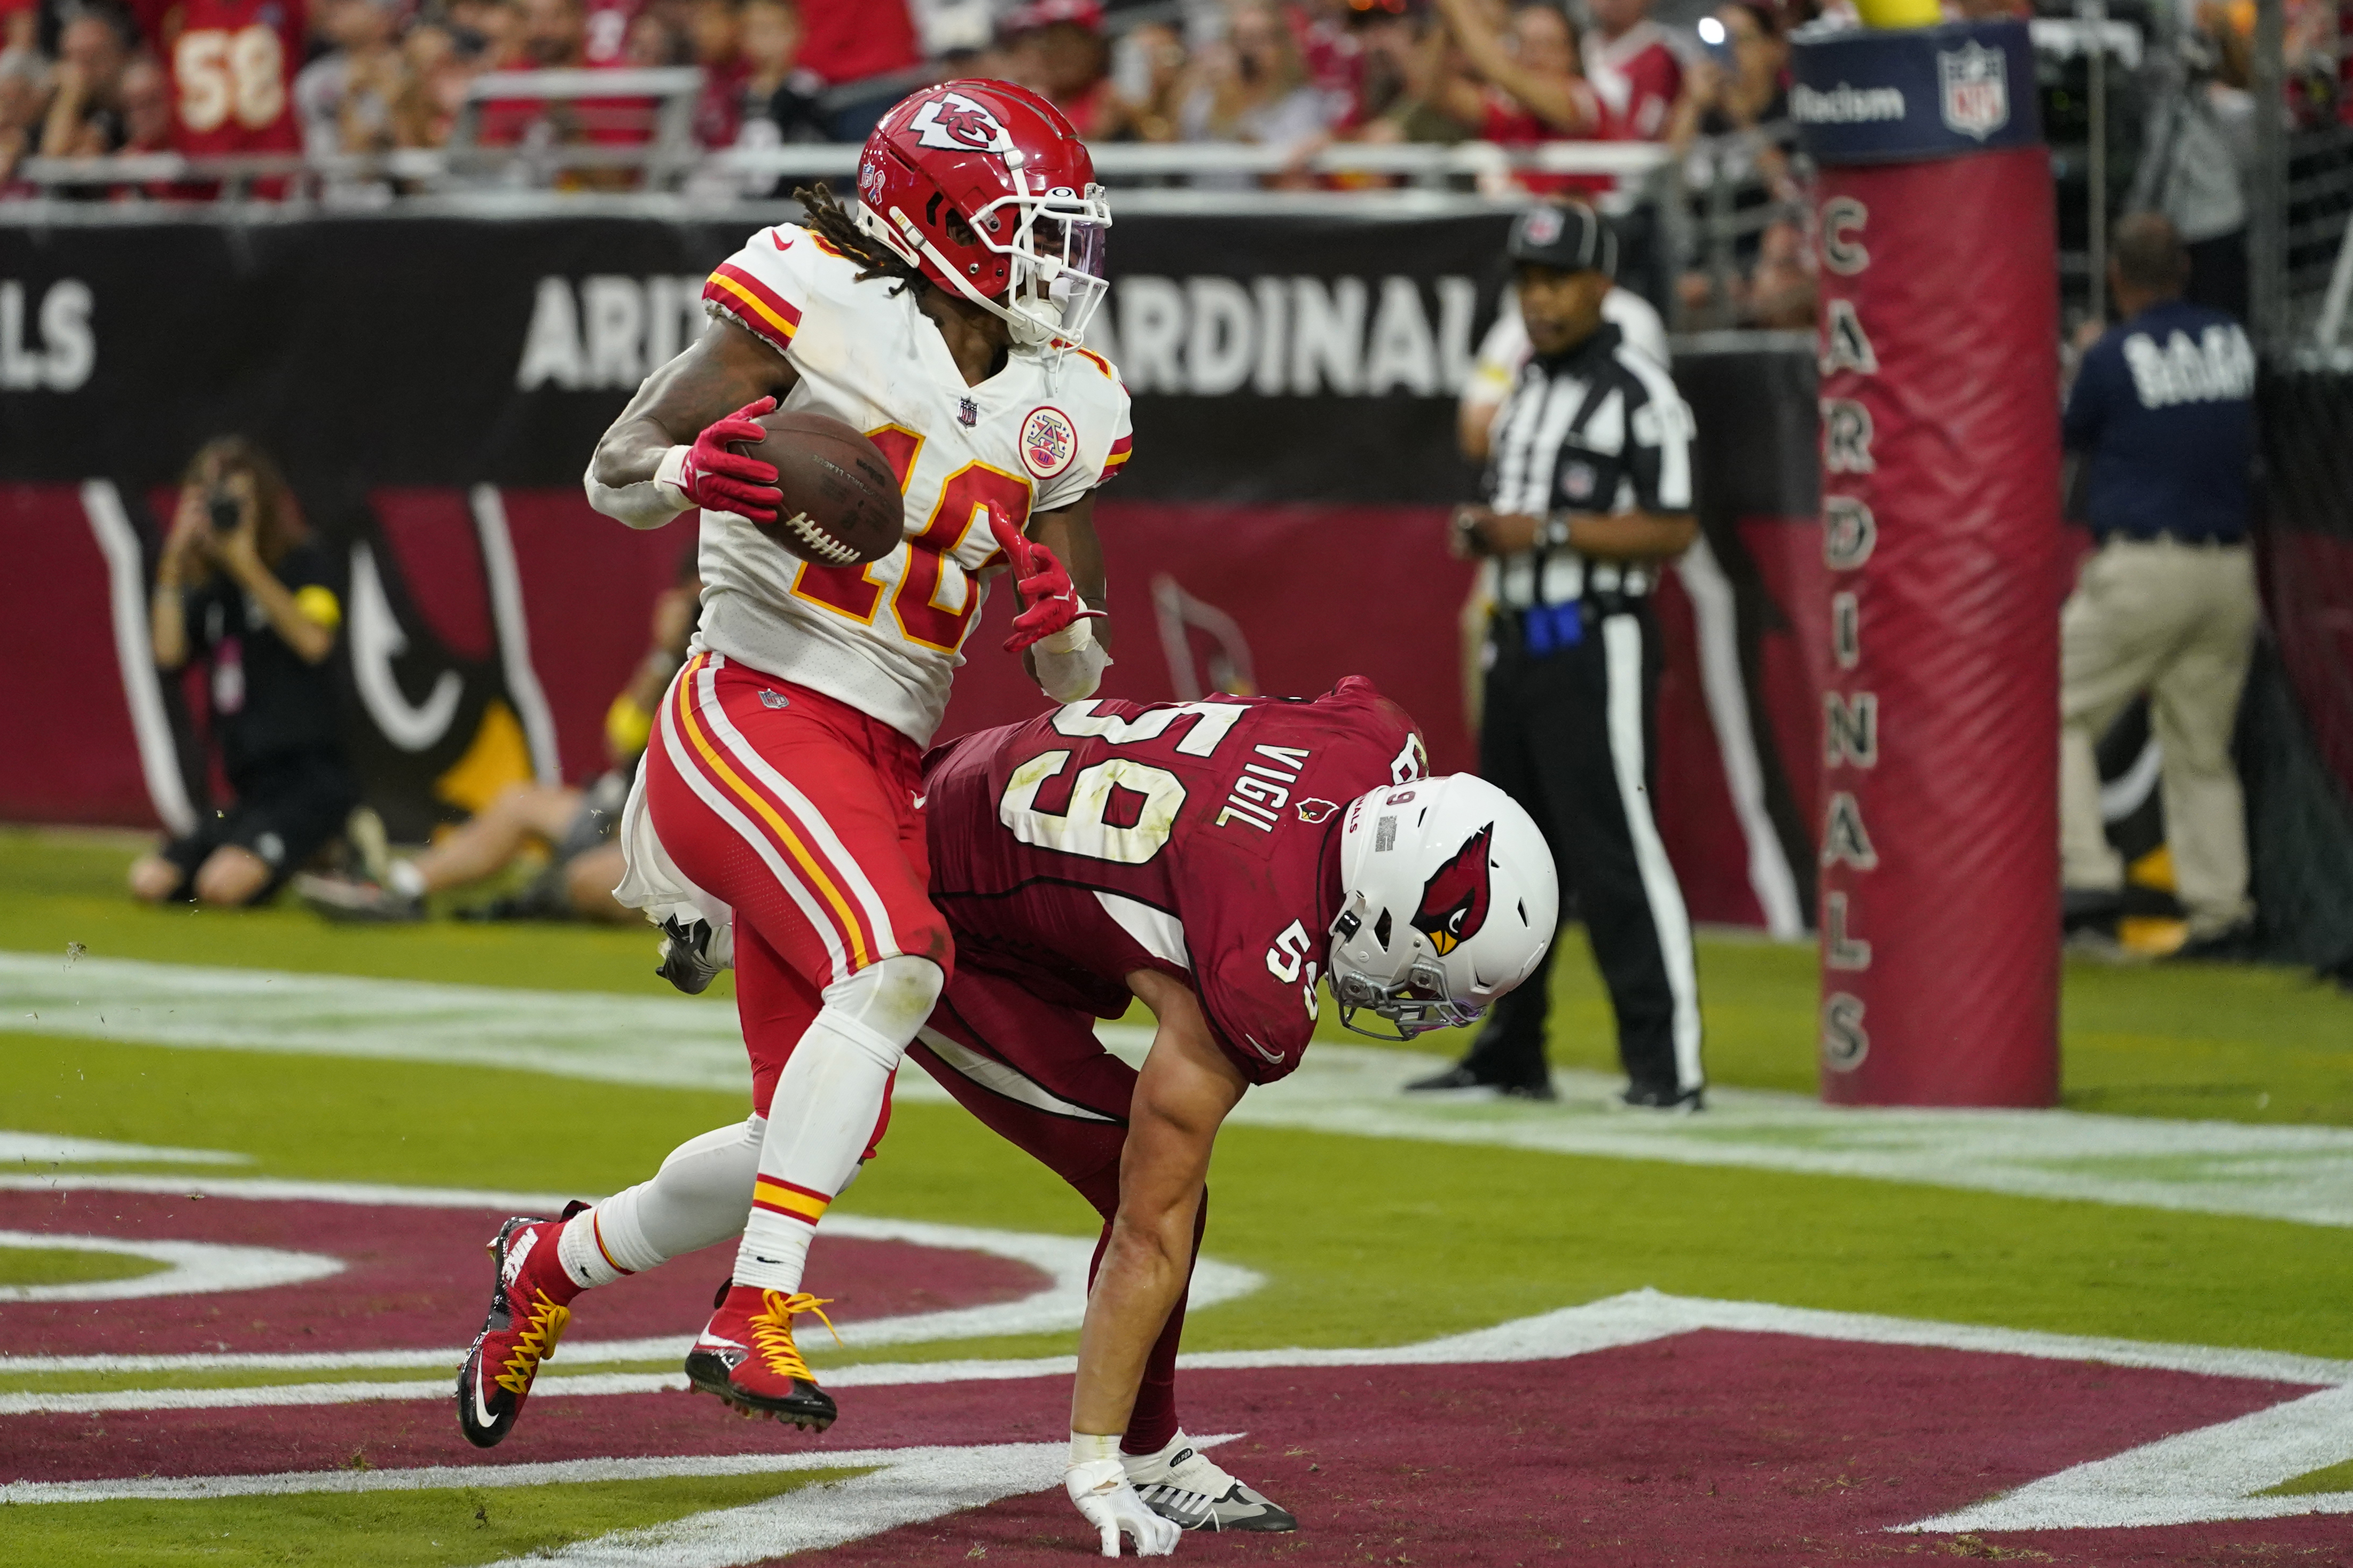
[(1413, 1003), (1052, 242), (1055, 252)]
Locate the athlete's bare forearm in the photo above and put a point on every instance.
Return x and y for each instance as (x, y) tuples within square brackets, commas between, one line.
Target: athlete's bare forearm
[(1182, 1097), (719, 372)]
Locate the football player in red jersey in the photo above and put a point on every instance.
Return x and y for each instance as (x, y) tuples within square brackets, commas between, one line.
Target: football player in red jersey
[(1214, 860), (233, 64), (783, 781)]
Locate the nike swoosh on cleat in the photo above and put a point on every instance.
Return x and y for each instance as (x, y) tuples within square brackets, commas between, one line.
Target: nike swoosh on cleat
[(482, 1416)]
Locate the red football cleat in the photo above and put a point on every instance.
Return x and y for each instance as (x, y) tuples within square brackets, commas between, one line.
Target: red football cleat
[(530, 1308), (746, 1356)]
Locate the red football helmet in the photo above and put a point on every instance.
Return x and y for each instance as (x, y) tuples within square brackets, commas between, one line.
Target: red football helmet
[(986, 189)]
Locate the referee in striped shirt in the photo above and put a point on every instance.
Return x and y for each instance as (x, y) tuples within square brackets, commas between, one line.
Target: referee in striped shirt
[(1589, 495)]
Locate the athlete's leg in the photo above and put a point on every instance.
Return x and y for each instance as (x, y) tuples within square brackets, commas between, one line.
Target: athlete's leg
[(697, 1199), (1035, 1075), (495, 835), (798, 813)]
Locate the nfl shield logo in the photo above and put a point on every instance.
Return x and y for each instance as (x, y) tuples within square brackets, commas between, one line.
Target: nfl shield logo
[(1976, 82)]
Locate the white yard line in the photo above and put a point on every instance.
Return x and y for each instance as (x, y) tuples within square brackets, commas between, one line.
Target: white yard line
[(1057, 1306), (2204, 1475), (2302, 1175), (1637, 1317), (2209, 1474), (190, 1268)]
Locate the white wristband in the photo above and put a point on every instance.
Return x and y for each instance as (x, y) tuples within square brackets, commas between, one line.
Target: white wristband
[(670, 476), (1088, 1447), (1071, 638), (649, 503), (1069, 677)]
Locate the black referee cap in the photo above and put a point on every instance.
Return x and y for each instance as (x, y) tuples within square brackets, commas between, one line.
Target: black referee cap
[(1570, 236)]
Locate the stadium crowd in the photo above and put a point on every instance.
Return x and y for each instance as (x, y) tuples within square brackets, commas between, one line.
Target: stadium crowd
[(95, 78)]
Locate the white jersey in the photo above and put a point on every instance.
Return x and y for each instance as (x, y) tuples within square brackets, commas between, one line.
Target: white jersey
[(1038, 435), (1505, 348)]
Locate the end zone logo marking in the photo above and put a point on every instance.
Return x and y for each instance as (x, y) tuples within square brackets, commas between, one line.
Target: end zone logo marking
[(1049, 442)]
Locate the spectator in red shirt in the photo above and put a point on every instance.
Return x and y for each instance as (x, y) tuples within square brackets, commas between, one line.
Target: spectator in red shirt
[(1055, 47), (1533, 90), (849, 41), (1629, 65)]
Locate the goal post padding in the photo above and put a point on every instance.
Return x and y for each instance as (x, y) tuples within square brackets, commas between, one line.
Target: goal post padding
[(1939, 882)]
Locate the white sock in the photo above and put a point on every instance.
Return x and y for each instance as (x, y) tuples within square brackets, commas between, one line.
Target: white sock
[(825, 1104), (697, 1199), (402, 877)]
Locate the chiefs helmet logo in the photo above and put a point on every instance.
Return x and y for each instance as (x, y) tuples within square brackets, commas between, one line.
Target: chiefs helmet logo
[(1454, 900), (954, 123)]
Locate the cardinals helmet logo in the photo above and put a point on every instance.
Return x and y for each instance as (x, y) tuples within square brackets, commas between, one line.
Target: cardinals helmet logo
[(1454, 900), (954, 123)]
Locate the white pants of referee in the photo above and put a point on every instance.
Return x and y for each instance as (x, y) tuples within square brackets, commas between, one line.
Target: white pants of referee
[(1569, 734)]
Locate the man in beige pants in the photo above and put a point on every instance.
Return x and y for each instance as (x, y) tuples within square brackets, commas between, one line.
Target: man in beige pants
[(2161, 414)]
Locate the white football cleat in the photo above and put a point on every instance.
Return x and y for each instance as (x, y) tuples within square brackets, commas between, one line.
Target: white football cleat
[(1182, 1484)]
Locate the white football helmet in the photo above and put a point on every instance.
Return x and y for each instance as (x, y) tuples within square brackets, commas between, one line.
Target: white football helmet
[(1447, 901)]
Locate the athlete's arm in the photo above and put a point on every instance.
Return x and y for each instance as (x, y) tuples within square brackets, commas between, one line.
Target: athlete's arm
[(1059, 581), (1069, 532), (1187, 1087), (1552, 99), (643, 470)]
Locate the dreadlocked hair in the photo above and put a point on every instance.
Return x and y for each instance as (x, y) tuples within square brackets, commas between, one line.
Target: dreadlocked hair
[(839, 229)]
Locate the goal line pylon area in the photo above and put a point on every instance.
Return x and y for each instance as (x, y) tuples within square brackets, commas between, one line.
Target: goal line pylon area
[(1939, 877)]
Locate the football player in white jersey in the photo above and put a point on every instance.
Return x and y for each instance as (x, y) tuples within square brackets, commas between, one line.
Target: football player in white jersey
[(944, 318)]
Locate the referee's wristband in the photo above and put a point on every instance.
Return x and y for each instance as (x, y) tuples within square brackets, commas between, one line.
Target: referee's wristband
[(1554, 535)]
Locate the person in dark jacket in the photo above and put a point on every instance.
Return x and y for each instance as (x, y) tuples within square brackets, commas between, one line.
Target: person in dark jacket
[(243, 589), (2162, 415)]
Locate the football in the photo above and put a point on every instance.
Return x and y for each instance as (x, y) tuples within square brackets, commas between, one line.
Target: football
[(841, 504)]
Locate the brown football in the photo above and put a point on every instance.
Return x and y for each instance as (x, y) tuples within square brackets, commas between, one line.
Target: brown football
[(841, 504)]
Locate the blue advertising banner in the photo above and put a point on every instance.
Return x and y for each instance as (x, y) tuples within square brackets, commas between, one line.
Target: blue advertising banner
[(1900, 96)]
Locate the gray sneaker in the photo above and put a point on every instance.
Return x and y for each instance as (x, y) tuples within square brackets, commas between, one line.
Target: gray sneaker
[(1182, 1485), (353, 899)]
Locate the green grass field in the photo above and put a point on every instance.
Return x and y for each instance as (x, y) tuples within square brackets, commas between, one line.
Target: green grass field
[(1363, 1240)]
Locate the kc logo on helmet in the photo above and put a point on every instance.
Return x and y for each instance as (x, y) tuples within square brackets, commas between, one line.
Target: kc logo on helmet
[(1975, 81), (1454, 900), (954, 123), (1048, 442)]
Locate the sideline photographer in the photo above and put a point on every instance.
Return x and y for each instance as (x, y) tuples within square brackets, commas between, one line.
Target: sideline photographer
[(242, 588)]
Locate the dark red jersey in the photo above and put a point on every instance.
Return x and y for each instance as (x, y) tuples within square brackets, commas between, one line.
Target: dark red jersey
[(232, 69), (1201, 840)]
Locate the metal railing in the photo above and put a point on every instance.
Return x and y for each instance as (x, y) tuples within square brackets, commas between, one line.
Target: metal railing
[(667, 158)]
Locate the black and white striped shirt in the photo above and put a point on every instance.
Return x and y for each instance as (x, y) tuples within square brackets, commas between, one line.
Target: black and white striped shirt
[(1600, 428)]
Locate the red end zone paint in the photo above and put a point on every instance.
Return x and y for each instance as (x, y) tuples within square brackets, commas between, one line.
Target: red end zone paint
[(1711, 1446), (418, 1279)]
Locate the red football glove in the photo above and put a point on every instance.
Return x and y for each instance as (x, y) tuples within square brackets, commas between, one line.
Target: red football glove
[(1043, 585), (713, 477)]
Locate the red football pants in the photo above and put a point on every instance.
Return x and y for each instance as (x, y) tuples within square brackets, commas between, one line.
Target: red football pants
[(1038, 1077), (799, 811)]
